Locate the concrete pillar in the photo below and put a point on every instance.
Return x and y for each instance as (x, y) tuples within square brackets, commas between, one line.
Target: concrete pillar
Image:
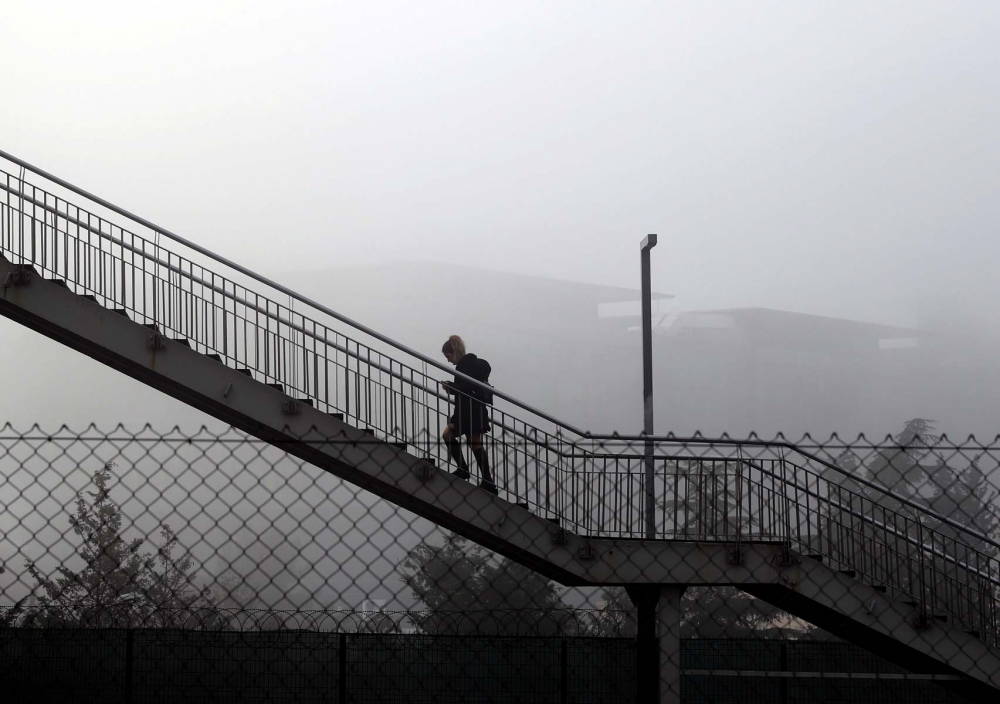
[(645, 598), (658, 644), (668, 622)]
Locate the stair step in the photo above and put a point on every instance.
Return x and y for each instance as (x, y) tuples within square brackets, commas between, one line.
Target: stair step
[(89, 296), (974, 634), (306, 402), (217, 358), (818, 558), (910, 603), (879, 588), (400, 445), (151, 326), (338, 416), (122, 311), (522, 504), (279, 387), (369, 431), (58, 282), (849, 573), (182, 341), (245, 372), (553, 521)]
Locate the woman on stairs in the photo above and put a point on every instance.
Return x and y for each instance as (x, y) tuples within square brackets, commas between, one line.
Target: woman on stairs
[(470, 416)]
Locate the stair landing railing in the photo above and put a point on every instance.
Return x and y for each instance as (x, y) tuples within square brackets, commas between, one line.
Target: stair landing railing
[(737, 491)]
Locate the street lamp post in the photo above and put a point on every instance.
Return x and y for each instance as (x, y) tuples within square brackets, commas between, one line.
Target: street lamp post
[(647, 382)]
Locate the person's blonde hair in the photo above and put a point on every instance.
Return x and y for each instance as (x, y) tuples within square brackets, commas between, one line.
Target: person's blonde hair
[(454, 347)]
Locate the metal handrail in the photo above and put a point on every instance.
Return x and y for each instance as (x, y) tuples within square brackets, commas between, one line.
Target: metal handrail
[(895, 532), (174, 269), (283, 289), (926, 553), (275, 315), (715, 442), (243, 301), (270, 321)]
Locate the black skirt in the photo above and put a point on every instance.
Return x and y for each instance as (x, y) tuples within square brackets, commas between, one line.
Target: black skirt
[(470, 417)]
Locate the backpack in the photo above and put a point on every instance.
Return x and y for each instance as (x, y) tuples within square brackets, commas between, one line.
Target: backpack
[(482, 374)]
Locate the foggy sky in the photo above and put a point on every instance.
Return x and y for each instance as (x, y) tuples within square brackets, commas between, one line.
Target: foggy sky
[(836, 158)]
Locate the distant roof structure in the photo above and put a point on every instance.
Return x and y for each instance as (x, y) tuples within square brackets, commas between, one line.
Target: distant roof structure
[(594, 293), (782, 325), (492, 280)]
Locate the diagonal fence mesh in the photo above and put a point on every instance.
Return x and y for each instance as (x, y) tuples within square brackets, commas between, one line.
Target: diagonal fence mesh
[(145, 565)]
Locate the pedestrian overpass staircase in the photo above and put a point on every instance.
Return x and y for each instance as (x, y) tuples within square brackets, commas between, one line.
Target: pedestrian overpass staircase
[(867, 565)]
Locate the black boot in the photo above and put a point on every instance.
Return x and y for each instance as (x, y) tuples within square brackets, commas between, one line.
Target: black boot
[(455, 450), (487, 484)]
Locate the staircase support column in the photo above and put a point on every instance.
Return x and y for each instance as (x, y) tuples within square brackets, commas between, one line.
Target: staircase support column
[(658, 642)]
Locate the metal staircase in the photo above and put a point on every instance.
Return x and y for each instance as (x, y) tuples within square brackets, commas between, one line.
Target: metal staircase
[(778, 522)]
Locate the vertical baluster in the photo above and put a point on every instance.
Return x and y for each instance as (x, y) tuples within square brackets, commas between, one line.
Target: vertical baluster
[(315, 369), (677, 506)]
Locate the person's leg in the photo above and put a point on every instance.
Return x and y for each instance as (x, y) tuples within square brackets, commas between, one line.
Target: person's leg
[(450, 438), (482, 459)]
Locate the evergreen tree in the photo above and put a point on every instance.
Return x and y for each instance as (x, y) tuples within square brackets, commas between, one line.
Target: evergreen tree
[(915, 469), (119, 585), (171, 597), (616, 617), (967, 497), (456, 578), (901, 468)]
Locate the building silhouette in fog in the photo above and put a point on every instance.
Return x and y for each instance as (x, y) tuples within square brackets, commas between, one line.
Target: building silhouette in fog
[(573, 349)]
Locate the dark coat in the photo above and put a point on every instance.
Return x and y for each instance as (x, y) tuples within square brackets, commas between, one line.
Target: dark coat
[(470, 415)]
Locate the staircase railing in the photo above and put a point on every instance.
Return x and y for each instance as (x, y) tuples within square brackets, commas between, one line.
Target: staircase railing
[(738, 491), (248, 322)]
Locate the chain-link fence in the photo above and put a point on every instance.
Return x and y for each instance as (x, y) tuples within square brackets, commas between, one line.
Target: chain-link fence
[(142, 565)]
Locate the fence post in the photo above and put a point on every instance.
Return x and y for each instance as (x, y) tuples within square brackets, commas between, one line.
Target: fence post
[(564, 671), (129, 663), (342, 669), (783, 665)]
